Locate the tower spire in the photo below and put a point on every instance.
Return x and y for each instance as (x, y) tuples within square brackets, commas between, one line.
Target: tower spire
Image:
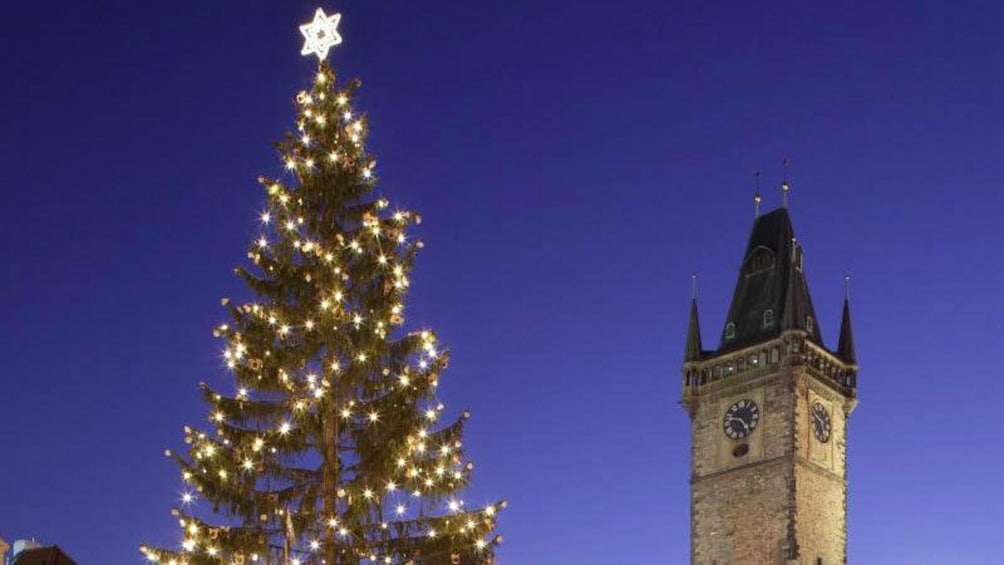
[(785, 186), (845, 346), (692, 351), (757, 199)]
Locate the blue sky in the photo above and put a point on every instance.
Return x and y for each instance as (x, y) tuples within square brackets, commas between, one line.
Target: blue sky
[(574, 163)]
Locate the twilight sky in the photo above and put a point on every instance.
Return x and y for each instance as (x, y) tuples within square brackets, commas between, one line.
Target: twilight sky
[(574, 162)]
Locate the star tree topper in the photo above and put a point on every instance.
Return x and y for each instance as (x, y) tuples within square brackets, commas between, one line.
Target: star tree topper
[(321, 34)]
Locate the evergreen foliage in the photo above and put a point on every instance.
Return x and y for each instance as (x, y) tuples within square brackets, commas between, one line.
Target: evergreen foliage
[(330, 449)]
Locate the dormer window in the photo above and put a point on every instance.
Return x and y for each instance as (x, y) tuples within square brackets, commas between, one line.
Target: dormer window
[(768, 317), (809, 324), (730, 330), (760, 259)]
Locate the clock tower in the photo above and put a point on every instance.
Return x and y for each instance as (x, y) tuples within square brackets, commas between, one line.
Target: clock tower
[(768, 413)]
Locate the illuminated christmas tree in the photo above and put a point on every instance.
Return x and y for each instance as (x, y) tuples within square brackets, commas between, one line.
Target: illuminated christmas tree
[(330, 447)]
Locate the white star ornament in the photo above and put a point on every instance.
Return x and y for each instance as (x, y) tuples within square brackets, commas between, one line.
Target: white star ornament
[(321, 34)]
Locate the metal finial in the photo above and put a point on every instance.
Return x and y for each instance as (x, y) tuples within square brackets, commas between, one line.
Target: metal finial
[(847, 287), (757, 199), (785, 187), (693, 286)]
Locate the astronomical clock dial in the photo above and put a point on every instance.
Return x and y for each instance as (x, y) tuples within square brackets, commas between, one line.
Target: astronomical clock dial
[(820, 422), (741, 419)]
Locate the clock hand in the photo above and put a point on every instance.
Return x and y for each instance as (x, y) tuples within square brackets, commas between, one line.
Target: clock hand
[(741, 421)]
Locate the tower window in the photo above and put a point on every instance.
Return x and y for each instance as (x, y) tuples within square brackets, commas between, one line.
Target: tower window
[(796, 254), (809, 325), (768, 317), (760, 259), (730, 330)]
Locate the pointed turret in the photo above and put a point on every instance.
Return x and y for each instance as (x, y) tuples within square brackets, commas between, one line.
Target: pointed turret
[(693, 349), (845, 346), (772, 294)]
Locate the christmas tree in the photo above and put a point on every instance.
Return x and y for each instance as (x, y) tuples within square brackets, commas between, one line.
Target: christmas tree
[(331, 449)]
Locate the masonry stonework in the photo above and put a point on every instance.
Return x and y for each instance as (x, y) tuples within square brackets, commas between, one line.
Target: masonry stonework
[(775, 494)]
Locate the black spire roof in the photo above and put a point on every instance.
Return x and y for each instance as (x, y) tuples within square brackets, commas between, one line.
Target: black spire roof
[(772, 294), (693, 350), (845, 346)]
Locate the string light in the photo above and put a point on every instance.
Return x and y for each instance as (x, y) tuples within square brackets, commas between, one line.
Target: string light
[(313, 281)]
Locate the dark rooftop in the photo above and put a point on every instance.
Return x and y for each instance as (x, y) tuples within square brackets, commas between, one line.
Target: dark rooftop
[(772, 294), (43, 556)]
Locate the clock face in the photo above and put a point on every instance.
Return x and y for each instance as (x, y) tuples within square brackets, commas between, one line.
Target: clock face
[(820, 422), (741, 419)]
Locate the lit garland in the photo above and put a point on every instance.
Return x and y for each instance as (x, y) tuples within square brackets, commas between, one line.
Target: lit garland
[(329, 449)]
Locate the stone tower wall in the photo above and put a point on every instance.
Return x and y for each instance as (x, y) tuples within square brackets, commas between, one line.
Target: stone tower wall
[(742, 506)]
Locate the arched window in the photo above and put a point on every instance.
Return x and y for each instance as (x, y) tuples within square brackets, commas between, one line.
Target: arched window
[(809, 324), (730, 330), (768, 317), (760, 259)]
